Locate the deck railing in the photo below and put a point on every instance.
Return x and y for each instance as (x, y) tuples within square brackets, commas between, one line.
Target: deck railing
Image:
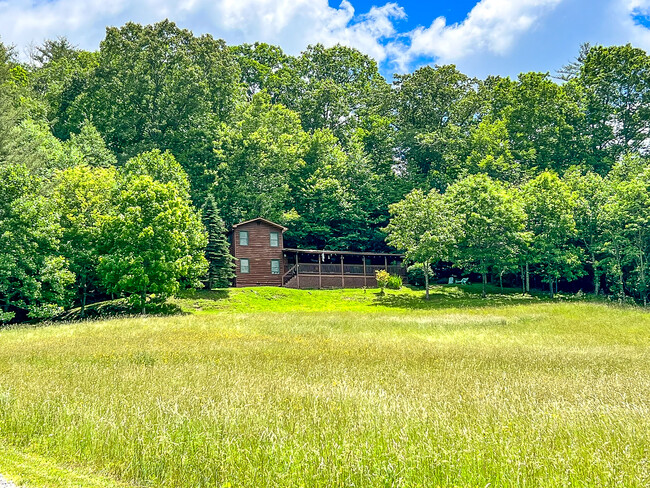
[(291, 272), (348, 269)]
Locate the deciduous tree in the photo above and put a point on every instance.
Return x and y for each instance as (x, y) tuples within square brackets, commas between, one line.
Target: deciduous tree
[(152, 241), (491, 224), (425, 228), (549, 207), (83, 196)]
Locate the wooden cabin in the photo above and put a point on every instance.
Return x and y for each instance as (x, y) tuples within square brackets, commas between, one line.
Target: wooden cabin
[(257, 247), (262, 260)]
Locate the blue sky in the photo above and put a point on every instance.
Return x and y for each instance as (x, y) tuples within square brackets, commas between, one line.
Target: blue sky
[(421, 12), (503, 37)]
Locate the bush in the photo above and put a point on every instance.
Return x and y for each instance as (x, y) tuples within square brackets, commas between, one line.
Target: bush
[(394, 282), (382, 278), (415, 275)]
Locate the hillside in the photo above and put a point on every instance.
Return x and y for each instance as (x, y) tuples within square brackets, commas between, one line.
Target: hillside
[(271, 387)]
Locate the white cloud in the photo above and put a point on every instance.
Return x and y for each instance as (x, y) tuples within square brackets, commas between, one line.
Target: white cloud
[(637, 34), (492, 26), (293, 24), (497, 36)]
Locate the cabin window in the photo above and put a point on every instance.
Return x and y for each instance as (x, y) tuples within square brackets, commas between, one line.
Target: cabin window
[(275, 266), (275, 239), (244, 266), (243, 238)]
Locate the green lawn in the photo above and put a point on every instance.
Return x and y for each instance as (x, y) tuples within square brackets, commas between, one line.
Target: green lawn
[(277, 387)]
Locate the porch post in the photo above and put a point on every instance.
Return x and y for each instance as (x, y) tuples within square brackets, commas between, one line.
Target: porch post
[(320, 275), (365, 277), (297, 272), (342, 273), (386, 263)]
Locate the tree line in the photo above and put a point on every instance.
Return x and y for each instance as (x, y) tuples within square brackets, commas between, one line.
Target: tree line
[(558, 228), (99, 148)]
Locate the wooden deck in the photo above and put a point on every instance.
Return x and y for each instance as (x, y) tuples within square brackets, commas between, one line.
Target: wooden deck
[(318, 276)]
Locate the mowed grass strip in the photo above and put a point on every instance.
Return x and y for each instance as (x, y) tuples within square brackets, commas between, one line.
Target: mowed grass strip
[(529, 394)]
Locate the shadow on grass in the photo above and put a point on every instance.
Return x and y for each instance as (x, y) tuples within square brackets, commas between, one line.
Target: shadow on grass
[(118, 308), (454, 296), (220, 294)]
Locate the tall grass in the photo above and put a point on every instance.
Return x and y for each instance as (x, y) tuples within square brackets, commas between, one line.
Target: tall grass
[(537, 394)]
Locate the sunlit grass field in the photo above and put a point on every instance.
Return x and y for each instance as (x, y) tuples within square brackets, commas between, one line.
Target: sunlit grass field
[(275, 387)]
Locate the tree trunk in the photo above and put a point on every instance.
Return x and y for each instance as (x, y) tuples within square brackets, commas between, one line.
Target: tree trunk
[(621, 293), (621, 289), (550, 282), (483, 293), (527, 279), (84, 295), (144, 300), (501, 281), (426, 281), (643, 284), (596, 274), (523, 281)]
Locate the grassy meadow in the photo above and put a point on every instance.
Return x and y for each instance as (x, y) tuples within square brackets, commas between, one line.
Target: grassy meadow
[(276, 387)]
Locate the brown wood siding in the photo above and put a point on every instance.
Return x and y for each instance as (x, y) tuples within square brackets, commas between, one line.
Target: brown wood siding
[(259, 254)]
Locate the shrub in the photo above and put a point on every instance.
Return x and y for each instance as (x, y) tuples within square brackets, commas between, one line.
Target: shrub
[(415, 275), (382, 277), (394, 282)]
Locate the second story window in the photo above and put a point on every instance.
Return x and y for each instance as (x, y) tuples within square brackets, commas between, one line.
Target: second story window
[(275, 239), (243, 238)]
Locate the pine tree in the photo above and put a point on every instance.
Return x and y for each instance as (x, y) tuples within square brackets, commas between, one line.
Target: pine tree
[(221, 263)]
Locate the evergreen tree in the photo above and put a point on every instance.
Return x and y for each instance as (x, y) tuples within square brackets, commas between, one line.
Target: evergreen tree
[(221, 264)]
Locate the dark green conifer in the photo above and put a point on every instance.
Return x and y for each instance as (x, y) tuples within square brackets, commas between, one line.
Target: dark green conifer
[(221, 267)]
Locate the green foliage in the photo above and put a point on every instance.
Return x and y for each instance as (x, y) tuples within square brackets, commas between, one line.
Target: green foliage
[(492, 224), (415, 274), (590, 193), (34, 279), (92, 147), (221, 264), (152, 241), (394, 282), (627, 232), (61, 80), (617, 101), (383, 278), (321, 143), (343, 201), (549, 207), (267, 68), (33, 145), (542, 121), (436, 107), (258, 157), (490, 153), (424, 227), (161, 167), (83, 196)]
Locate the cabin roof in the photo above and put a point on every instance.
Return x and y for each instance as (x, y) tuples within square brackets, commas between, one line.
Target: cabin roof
[(262, 220), (347, 253)]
